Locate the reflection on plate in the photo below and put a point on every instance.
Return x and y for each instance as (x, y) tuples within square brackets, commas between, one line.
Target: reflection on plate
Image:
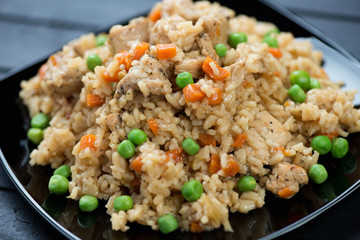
[(277, 217)]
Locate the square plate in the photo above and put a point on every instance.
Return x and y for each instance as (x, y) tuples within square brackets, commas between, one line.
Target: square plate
[(277, 217)]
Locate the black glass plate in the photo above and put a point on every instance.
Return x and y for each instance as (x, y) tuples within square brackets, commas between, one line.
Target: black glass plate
[(277, 217)]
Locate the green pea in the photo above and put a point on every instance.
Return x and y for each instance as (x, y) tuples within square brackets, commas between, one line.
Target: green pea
[(348, 163), (63, 170), (314, 83), (39, 120), (271, 41), (167, 223), (192, 190), (58, 184), (339, 147), (318, 173), (300, 78), (126, 149), (297, 94), (184, 79), (35, 135), (86, 219), (100, 40), (321, 144), (137, 136), (190, 146), (123, 203), (273, 31), (220, 49), (88, 203), (237, 38), (246, 183), (92, 61)]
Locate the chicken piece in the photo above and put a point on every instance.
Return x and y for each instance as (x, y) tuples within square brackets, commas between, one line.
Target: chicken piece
[(176, 30), (255, 140), (65, 78), (286, 176), (184, 8), (206, 46), (49, 152), (149, 76), (137, 29), (111, 121), (83, 44), (271, 130), (159, 32), (191, 65), (217, 26)]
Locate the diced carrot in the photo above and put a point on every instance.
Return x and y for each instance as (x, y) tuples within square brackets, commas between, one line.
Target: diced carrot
[(277, 74), (239, 140), (231, 168), (279, 149), (286, 104), (94, 100), (177, 155), (275, 52), (195, 227), (166, 51), (124, 57), (193, 93), (247, 84), (284, 151), (215, 98), (330, 135), (286, 192), (155, 15), (137, 164), (114, 69), (217, 31), (211, 68), (323, 72), (53, 60), (88, 141), (206, 139), (153, 126), (140, 50), (214, 164), (42, 70), (107, 78)]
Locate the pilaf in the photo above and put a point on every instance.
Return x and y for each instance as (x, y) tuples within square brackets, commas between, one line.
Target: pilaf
[(187, 114)]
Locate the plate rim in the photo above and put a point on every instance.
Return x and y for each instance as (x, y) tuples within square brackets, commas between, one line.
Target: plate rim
[(30, 200)]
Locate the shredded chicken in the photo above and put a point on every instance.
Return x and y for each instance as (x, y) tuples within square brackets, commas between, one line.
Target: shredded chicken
[(271, 130), (149, 76), (206, 46), (191, 65), (120, 36), (217, 26), (286, 175)]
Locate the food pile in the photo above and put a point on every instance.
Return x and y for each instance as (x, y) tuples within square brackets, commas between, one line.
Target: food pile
[(185, 116)]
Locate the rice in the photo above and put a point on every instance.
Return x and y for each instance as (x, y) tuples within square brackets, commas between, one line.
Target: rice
[(254, 103)]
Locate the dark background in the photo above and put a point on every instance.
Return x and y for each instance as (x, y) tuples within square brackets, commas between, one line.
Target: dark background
[(30, 29)]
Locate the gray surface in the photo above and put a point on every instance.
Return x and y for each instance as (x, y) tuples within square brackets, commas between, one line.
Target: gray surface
[(30, 28), (339, 19)]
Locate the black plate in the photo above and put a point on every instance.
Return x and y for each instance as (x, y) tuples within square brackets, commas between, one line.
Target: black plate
[(277, 217)]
